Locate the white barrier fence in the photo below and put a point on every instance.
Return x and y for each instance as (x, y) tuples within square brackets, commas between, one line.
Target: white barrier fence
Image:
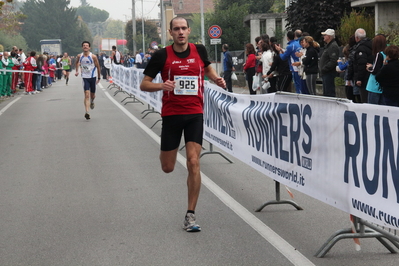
[(341, 153)]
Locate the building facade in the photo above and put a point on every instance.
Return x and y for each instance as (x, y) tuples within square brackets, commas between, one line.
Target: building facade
[(386, 11)]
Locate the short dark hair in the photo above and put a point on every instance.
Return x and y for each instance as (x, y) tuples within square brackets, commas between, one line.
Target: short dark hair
[(392, 52), (86, 42), (225, 46), (290, 35), (171, 22), (113, 47), (265, 37)]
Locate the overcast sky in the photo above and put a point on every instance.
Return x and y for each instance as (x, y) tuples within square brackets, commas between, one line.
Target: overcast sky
[(117, 9)]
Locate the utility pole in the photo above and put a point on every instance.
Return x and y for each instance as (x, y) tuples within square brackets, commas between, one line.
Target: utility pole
[(142, 24), (202, 23), (163, 29), (134, 26)]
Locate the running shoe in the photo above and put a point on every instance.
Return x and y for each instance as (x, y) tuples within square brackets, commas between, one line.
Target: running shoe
[(189, 223), (87, 116), (92, 105)]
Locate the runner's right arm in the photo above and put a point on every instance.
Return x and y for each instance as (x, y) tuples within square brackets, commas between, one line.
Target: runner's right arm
[(148, 85), (77, 65)]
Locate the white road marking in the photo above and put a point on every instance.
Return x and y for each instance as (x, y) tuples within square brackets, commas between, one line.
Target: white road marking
[(285, 248), (9, 105)]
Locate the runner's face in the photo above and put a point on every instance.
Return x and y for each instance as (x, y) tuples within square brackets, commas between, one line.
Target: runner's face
[(86, 47), (180, 31)]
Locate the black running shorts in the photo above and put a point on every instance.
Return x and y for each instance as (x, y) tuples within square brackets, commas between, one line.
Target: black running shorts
[(173, 126)]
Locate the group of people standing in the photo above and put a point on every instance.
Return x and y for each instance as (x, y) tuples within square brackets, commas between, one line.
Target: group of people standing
[(270, 68), (371, 69), (33, 72)]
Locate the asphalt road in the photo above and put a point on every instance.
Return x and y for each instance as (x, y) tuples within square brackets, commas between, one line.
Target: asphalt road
[(77, 192)]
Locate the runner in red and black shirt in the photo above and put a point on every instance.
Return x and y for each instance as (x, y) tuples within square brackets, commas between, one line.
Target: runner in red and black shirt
[(182, 66)]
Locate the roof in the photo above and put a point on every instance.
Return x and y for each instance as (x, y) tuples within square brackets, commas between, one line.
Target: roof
[(181, 7)]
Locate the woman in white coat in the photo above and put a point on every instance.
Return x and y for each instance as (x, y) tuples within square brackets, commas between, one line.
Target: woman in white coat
[(267, 60)]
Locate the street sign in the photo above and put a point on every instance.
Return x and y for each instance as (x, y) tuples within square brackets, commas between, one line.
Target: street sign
[(153, 44), (216, 41), (214, 31)]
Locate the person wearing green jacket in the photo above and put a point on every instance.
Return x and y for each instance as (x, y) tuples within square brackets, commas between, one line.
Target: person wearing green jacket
[(8, 75), (1, 75)]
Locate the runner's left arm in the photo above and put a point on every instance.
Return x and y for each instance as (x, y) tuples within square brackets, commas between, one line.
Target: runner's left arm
[(97, 64), (212, 75)]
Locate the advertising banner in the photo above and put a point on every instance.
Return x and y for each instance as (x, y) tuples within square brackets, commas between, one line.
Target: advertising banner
[(336, 151)]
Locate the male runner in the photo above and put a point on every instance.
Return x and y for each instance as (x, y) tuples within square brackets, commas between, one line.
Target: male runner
[(116, 56), (66, 67), (90, 67), (182, 66)]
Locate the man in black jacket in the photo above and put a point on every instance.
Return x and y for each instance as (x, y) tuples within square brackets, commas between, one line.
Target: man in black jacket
[(227, 67), (328, 63), (357, 71)]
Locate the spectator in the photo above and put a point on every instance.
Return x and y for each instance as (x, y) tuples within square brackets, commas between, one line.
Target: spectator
[(22, 55), (258, 55), (388, 76), (357, 70), (249, 66), (59, 67), (282, 68), (328, 63), (227, 67), (373, 87), (138, 60), (289, 54), (7, 75), (29, 65), (272, 78), (2, 74), (15, 75), (310, 62), (39, 68), (267, 60)]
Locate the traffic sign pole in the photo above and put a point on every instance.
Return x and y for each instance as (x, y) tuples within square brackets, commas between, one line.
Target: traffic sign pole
[(215, 32)]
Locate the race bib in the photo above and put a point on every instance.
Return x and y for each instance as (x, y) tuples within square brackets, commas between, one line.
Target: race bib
[(186, 85)]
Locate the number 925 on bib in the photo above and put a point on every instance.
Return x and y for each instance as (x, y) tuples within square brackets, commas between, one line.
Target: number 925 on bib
[(186, 85)]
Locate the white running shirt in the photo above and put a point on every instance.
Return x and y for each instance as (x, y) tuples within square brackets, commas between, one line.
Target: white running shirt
[(87, 66)]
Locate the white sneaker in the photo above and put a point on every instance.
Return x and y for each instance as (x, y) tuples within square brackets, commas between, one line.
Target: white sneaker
[(190, 224)]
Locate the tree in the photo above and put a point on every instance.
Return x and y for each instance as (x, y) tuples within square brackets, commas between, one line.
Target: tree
[(278, 6), (391, 32), (254, 6), (9, 40), (150, 34), (2, 3), (10, 20), (10, 27), (114, 29), (91, 14), (83, 3), (61, 23), (316, 16), (353, 21)]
